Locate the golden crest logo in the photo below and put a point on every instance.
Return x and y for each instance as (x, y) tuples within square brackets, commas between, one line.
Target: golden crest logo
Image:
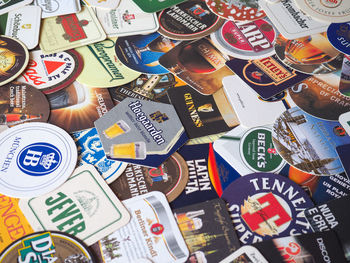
[(27, 26)]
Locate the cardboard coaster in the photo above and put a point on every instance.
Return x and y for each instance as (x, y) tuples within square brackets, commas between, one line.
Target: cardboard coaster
[(246, 39), (319, 96), (50, 73), (127, 20), (56, 8), (152, 225), (141, 53), (156, 5), (23, 24), (343, 152), (312, 55), (47, 246), (9, 5), (337, 11), (308, 143), (246, 254), (265, 206), (236, 10), (39, 158), (339, 36), (344, 120), (106, 4), (65, 32), (290, 21), (14, 59), (174, 21), (93, 212), (344, 85), (22, 103)]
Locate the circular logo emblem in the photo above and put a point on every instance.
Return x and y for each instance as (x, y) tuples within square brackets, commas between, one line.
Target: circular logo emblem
[(157, 229), (48, 6), (331, 3)]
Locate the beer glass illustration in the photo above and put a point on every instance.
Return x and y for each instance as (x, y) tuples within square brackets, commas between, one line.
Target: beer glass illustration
[(159, 44), (118, 128), (132, 150), (189, 221)]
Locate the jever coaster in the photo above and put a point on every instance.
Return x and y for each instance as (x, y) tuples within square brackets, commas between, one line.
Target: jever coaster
[(203, 22), (329, 11), (36, 159), (14, 58), (50, 73), (21, 103), (339, 36), (47, 247), (265, 206)]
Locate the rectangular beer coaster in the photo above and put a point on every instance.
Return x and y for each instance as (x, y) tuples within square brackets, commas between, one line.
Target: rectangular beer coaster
[(56, 8), (84, 206), (8, 5)]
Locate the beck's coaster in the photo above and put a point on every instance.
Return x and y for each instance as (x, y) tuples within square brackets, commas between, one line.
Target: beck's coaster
[(36, 159), (21, 103), (339, 36), (14, 58), (47, 247), (8, 5), (50, 73)]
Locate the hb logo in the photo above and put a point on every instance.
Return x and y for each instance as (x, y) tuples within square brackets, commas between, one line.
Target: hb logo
[(39, 159)]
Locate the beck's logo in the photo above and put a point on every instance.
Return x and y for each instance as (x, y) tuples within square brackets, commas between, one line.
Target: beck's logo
[(39, 159)]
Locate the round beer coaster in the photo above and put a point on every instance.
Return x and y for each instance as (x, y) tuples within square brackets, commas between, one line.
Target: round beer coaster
[(247, 39), (14, 58), (53, 72), (47, 247), (169, 178), (308, 143), (312, 54), (203, 22), (339, 36), (236, 10), (36, 158), (21, 103), (329, 11), (265, 206)]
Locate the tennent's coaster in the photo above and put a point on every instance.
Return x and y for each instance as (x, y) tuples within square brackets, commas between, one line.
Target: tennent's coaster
[(170, 178), (36, 159), (126, 20), (50, 73), (339, 36), (237, 10), (189, 20), (93, 211), (22, 103), (308, 143), (58, 7), (100, 57), (141, 52), (90, 151), (103, 4), (265, 206), (312, 54), (153, 226), (328, 11), (319, 96), (23, 24), (65, 32), (246, 40), (344, 85), (152, 6), (8, 5), (246, 254), (290, 21), (47, 247), (14, 58)]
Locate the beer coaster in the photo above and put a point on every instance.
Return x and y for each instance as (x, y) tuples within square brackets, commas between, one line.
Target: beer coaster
[(14, 59), (329, 11), (236, 10), (290, 21), (343, 152), (152, 223), (126, 20), (100, 57), (344, 120), (52, 8), (65, 32), (339, 36), (308, 143), (22, 103), (245, 254), (152, 6), (47, 247), (50, 73), (170, 178), (94, 210), (203, 22), (265, 206), (37, 158), (23, 24), (109, 4), (141, 52), (303, 54), (246, 39), (9, 5), (319, 96), (90, 151), (344, 85)]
